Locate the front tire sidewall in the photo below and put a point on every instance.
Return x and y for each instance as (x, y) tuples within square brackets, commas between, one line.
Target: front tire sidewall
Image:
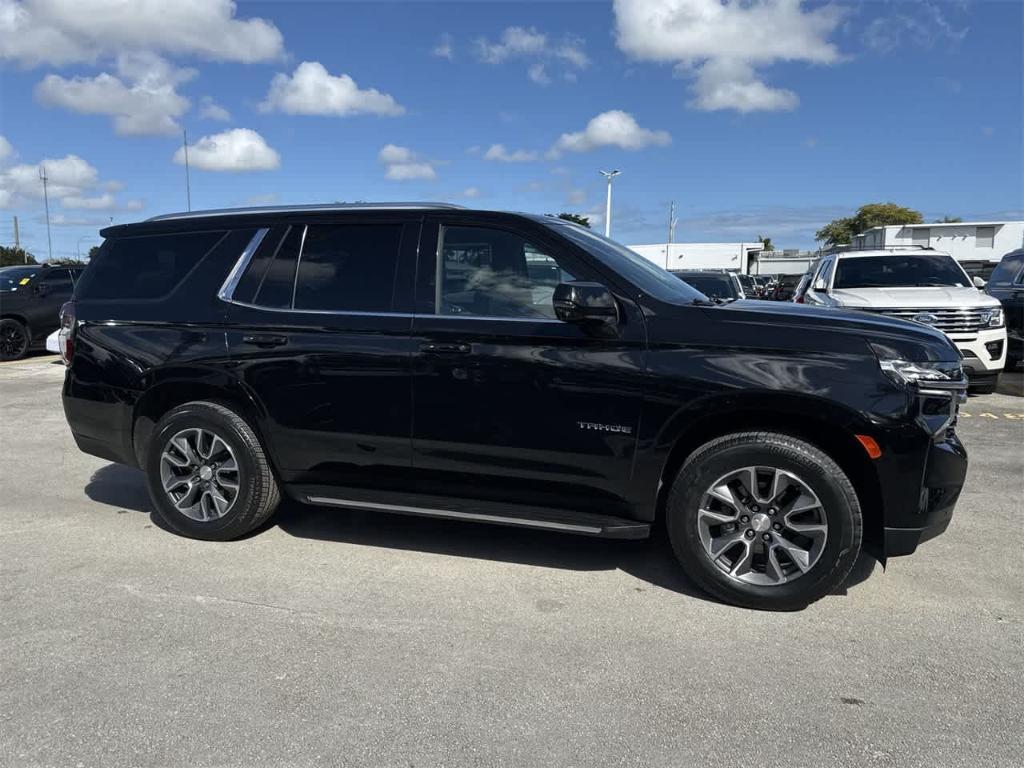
[(825, 478), (12, 324), (237, 519)]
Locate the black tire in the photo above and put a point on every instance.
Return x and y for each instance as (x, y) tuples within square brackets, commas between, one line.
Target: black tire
[(258, 494), (13, 339), (822, 475), (983, 389)]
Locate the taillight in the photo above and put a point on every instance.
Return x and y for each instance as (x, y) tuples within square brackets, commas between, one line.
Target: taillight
[(66, 336)]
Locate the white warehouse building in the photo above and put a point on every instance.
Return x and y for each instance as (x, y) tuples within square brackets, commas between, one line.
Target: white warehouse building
[(967, 241), (732, 256)]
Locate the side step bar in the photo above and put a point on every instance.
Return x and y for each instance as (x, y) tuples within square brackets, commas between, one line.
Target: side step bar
[(544, 518)]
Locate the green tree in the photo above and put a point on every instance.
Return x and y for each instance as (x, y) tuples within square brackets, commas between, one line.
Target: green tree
[(583, 221), (66, 262), (947, 219), (10, 256), (842, 230), (766, 243), (93, 251)]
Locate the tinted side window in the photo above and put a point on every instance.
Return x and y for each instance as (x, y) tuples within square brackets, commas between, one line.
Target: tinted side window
[(1008, 268), (494, 273), (58, 281), (278, 282), (258, 265), (145, 267), (348, 267)]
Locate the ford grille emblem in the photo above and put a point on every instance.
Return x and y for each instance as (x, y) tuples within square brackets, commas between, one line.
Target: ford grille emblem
[(927, 318)]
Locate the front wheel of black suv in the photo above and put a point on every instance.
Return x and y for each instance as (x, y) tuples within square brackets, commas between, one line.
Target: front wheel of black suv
[(764, 520), (207, 473), (13, 339)]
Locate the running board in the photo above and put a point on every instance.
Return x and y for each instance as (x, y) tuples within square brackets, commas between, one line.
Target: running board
[(544, 518)]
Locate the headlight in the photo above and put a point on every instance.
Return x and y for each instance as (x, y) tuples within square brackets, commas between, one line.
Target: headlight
[(906, 372), (993, 318)]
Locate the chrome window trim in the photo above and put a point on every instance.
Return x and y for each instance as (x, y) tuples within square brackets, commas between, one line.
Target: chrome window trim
[(227, 290), (351, 313)]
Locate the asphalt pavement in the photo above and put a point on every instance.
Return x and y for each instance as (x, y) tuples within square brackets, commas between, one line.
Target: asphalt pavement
[(352, 639)]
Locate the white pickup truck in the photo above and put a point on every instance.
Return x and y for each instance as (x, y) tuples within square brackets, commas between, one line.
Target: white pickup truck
[(925, 286)]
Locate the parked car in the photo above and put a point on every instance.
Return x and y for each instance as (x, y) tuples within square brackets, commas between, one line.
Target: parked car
[(784, 287), (751, 290), (30, 300), (927, 287), (719, 286), (395, 358), (1007, 285), (53, 342)]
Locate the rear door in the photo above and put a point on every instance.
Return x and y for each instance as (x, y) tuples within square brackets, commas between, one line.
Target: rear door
[(319, 334), (511, 404), (53, 286)]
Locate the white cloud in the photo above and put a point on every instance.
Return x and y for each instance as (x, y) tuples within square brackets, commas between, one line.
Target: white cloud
[(402, 164), (34, 32), (70, 181), (6, 150), (211, 110), (471, 192), (538, 74), (614, 128), (921, 25), (103, 202), (312, 90), (444, 49), (723, 44), (529, 44), (499, 153), (240, 149), (147, 104)]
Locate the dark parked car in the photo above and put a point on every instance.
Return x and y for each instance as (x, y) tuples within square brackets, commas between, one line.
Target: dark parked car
[(784, 287), (717, 286), (751, 290), (30, 300), (401, 358), (1007, 285)]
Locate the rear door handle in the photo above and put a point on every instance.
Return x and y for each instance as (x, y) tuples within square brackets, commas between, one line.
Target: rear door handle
[(432, 348), (265, 340)]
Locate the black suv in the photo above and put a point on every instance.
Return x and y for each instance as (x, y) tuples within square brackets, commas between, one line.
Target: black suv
[(512, 369), (30, 300), (1007, 284)]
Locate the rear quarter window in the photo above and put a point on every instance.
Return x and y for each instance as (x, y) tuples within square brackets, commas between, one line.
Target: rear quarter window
[(144, 267)]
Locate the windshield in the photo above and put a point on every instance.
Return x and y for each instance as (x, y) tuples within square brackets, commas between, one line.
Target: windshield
[(900, 271), (12, 278), (645, 275), (715, 286)]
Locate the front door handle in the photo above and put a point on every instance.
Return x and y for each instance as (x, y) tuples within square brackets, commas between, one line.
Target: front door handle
[(265, 340), (432, 348)]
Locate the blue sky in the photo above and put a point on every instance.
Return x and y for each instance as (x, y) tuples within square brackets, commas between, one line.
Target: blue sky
[(764, 119)]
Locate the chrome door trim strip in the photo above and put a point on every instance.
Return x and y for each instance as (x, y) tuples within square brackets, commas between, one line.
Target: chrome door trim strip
[(227, 290)]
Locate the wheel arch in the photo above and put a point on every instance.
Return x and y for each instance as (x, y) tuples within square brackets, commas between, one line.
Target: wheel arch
[(827, 425), (172, 390)]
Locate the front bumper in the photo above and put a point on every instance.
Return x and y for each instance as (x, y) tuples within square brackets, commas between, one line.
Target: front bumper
[(944, 473), (984, 352)]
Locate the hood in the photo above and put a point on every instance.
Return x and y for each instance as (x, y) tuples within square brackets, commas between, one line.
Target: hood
[(799, 326), (939, 297)]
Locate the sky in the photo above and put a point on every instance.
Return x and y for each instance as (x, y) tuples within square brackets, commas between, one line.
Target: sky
[(764, 118)]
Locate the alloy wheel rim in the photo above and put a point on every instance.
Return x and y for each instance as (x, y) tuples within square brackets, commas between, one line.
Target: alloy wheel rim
[(762, 525), (12, 340), (199, 474)]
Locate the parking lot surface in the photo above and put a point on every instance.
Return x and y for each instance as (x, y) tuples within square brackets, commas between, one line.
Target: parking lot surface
[(340, 638)]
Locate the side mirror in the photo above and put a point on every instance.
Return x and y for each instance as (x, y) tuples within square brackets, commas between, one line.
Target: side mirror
[(583, 303), (819, 284), (978, 282)]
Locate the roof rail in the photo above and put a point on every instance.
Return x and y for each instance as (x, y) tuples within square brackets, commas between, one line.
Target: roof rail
[(317, 208)]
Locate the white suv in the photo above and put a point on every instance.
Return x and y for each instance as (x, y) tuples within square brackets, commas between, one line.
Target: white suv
[(924, 286)]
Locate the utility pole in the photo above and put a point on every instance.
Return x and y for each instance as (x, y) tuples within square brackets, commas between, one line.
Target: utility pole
[(46, 202), (188, 184), (17, 239), (608, 205)]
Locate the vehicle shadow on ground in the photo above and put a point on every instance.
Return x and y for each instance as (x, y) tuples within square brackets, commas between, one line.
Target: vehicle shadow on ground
[(650, 560)]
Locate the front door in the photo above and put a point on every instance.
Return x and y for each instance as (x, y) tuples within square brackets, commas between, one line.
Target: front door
[(318, 339), (509, 403)]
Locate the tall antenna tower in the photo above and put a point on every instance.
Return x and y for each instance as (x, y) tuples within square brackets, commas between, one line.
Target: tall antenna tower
[(46, 202)]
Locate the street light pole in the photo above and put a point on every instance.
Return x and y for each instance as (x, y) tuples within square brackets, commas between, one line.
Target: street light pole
[(608, 205), (46, 202)]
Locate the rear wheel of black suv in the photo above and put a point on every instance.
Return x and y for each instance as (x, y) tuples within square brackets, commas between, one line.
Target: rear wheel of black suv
[(764, 520), (207, 473)]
